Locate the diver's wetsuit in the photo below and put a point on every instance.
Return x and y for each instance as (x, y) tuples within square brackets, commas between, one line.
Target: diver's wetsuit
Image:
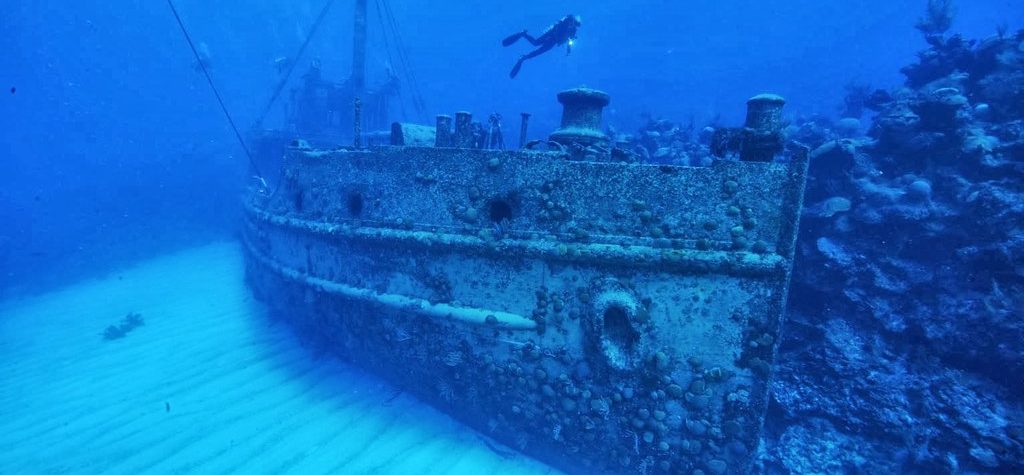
[(560, 33)]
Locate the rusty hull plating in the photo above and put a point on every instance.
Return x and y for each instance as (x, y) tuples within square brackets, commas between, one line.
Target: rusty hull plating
[(604, 317)]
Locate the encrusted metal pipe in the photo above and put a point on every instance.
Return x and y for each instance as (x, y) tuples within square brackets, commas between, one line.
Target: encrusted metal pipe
[(581, 117), (357, 123), (762, 132), (408, 305), (463, 130), (443, 131), (522, 128)]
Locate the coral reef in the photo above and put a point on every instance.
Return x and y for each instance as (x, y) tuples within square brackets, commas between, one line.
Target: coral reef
[(905, 327), (938, 17), (662, 141)]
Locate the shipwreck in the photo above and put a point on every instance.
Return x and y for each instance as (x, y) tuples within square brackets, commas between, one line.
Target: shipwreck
[(601, 314)]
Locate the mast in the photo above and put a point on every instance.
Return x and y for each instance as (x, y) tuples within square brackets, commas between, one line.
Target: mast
[(359, 49)]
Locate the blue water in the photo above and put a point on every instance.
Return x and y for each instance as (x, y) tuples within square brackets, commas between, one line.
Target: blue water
[(115, 154)]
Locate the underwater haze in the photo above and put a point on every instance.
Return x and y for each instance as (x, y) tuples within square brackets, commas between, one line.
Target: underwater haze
[(143, 143)]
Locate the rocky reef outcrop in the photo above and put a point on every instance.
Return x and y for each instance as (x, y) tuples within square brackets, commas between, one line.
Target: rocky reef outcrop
[(904, 348), (905, 342)]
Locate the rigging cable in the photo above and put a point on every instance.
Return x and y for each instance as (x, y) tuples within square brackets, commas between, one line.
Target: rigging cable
[(417, 99), (202, 64), (295, 61), (391, 60), (403, 54)]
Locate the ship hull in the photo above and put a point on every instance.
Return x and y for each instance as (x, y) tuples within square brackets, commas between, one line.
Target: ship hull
[(603, 317)]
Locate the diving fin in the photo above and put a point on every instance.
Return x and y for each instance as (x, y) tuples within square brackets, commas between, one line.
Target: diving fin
[(512, 39), (515, 69)]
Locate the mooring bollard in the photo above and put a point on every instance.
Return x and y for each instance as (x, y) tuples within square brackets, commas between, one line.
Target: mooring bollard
[(443, 131), (762, 132), (463, 130), (581, 117)]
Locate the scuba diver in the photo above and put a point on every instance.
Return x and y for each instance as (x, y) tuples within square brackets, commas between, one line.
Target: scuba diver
[(560, 33)]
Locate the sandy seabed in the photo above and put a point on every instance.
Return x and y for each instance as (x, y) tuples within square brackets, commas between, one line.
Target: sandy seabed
[(208, 385)]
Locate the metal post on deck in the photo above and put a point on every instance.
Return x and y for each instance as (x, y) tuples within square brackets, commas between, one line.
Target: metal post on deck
[(357, 122), (522, 128)]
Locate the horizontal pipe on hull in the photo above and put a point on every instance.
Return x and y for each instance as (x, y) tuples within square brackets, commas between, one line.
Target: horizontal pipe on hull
[(440, 311), (736, 263)]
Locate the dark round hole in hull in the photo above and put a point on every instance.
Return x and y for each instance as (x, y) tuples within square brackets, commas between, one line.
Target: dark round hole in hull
[(499, 210), (618, 330)]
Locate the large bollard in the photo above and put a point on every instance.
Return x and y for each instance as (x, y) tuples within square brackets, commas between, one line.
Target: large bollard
[(762, 132), (463, 130), (443, 131), (581, 117)]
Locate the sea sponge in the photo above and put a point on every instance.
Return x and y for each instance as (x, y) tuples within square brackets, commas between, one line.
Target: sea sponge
[(920, 190), (848, 127)]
